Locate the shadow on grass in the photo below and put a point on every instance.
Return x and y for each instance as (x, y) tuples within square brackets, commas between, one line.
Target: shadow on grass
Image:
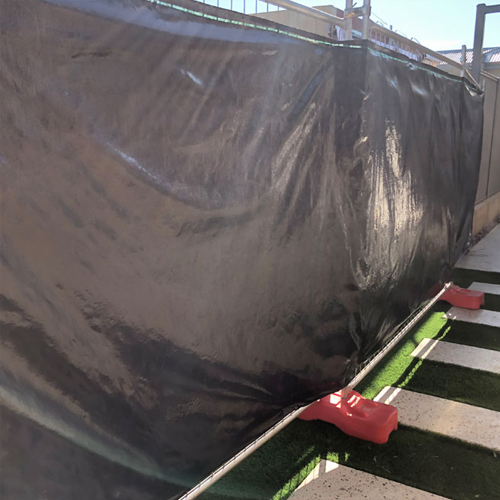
[(465, 277), (271, 472), (421, 459), (415, 364), (475, 335)]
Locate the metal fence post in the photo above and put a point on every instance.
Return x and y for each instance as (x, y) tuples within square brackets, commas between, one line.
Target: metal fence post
[(348, 22), (478, 42), (366, 19), (464, 60), (477, 57)]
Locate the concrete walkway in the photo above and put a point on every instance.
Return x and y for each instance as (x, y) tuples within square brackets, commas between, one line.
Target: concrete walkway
[(332, 481), (485, 256), (480, 316), (468, 423), (458, 354), (486, 288)]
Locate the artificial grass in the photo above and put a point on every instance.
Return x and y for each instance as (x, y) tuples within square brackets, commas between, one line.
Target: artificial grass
[(399, 365), (389, 371), (273, 471), (492, 302), (421, 459), (456, 383), (484, 336), (465, 277)]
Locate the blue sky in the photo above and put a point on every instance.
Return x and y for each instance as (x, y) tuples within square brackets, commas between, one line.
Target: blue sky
[(437, 24)]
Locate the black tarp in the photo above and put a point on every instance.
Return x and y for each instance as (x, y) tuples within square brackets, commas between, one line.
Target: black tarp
[(204, 224)]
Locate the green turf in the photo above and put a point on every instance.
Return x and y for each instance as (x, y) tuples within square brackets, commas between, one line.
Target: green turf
[(428, 461), (422, 459), (389, 371), (465, 277), (396, 368), (487, 337), (453, 382), (492, 302)]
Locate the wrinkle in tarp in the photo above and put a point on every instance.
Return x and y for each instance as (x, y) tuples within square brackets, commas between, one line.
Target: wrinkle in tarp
[(204, 225)]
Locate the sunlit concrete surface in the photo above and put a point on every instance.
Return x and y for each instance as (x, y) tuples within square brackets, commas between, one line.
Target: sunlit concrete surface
[(479, 316), (457, 354), (485, 288), (457, 420), (330, 481), (485, 256)]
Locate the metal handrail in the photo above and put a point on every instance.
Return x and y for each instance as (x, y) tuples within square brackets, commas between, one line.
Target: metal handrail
[(342, 22), (490, 76), (346, 23), (308, 11), (417, 46)]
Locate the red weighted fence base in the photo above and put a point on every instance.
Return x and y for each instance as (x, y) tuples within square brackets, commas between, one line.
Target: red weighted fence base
[(356, 416), (464, 298)]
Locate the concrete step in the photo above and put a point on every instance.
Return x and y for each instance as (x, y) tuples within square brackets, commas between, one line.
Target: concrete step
[(332, 481), (457, 420), (485, 288), (485, 256), (456, 354), (480, 316)]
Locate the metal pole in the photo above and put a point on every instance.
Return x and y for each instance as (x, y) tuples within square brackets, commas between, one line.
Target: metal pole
[(348, 20), (366, 19), (477, 57), (477, 54), (492, 136), (464, 60)]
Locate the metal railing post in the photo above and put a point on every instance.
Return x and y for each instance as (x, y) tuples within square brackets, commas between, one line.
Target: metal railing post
[(477, 57), (366, 19), (477, 54), (464, 60), (348, 18)]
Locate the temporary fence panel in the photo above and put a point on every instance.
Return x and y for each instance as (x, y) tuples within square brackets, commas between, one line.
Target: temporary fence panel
[(207, 221)]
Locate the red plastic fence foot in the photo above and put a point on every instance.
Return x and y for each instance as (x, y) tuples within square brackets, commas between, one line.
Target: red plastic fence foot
[(464, 298), (356, 416)]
